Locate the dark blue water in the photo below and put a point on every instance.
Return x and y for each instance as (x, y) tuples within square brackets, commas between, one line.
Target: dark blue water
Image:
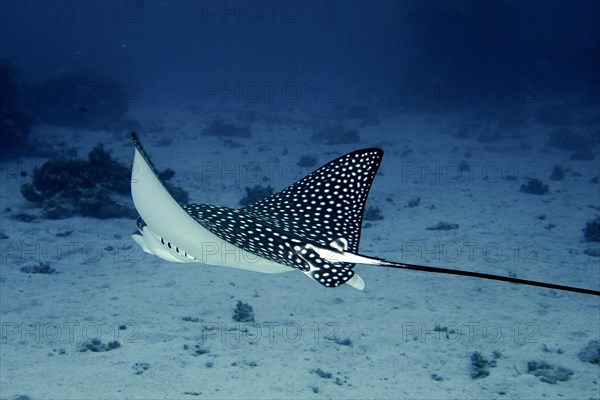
[(403, 52)]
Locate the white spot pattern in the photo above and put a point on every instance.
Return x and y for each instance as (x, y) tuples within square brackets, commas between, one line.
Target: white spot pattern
[(324, 206)]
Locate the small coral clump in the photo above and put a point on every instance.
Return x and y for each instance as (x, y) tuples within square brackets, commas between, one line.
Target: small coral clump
[(256, 193), (68, 187), (582, 155), (96, 346), (140, 368), (479, 366), (565, 139), (90, 188), (592, 230), (364, 114), (373, 214), (558, 173), (38, 268), (336, 134), (548, 373), (534, 186), (218, 127), (442, 226), (414, 202), (307, 161), (591, 352), (243, 312)]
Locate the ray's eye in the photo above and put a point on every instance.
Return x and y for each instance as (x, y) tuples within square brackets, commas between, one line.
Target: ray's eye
[(139, 223)]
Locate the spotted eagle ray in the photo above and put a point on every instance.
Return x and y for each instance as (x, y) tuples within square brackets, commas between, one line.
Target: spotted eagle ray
[(312, 226)]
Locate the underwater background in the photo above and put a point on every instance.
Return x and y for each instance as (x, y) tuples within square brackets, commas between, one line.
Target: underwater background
[(489, 116)]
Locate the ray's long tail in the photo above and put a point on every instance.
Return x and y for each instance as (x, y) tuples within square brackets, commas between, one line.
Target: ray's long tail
[(448, 271)]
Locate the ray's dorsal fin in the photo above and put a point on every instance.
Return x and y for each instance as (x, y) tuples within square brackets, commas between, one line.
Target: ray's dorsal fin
[(328, 204)]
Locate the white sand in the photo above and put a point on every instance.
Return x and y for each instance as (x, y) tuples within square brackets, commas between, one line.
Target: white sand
[(394, 350)]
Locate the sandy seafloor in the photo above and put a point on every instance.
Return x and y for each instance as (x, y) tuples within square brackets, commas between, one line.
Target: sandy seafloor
[(105, 280)]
